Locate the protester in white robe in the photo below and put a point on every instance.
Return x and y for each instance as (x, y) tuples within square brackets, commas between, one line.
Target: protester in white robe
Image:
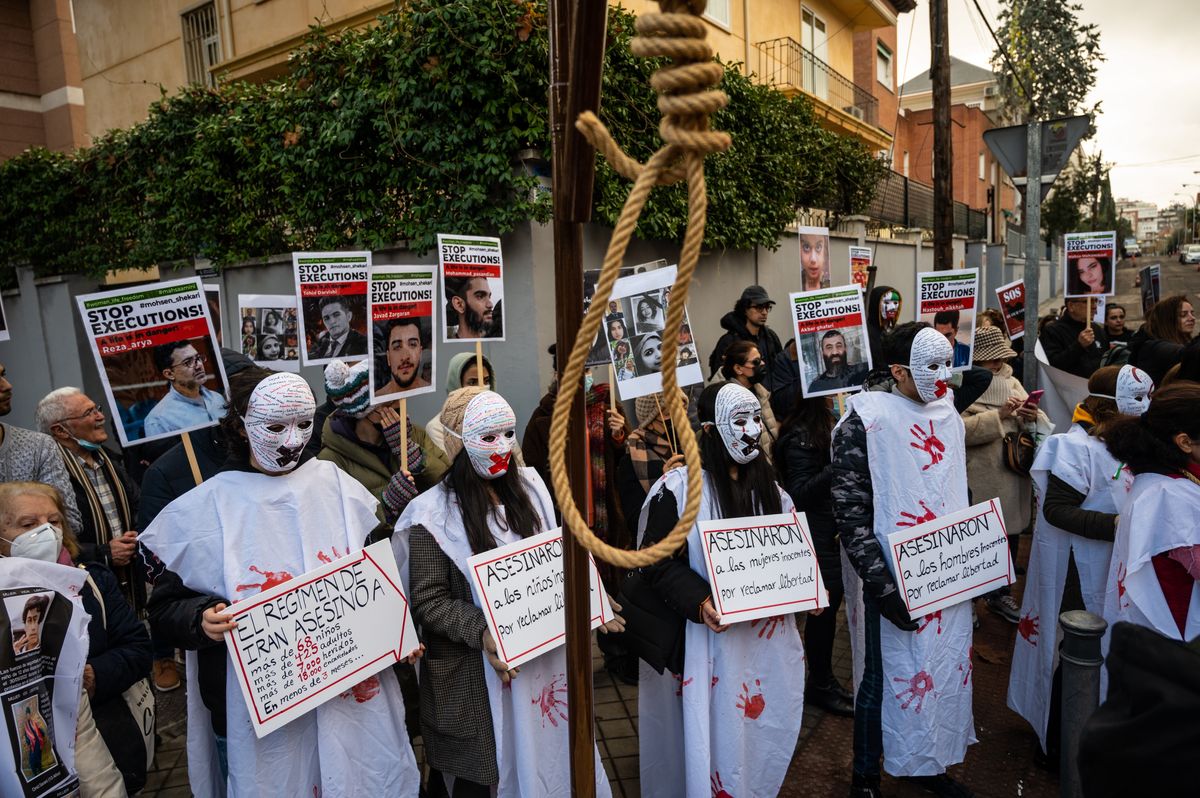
[(1080, 488), (487, 730), (254, 525), (728, 724), (899, 460), (1154, 578)]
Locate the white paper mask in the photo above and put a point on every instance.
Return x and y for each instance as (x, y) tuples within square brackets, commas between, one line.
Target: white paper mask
[(739, 421), (279, 419), (1134, 388), (929, 363), (489, 433)]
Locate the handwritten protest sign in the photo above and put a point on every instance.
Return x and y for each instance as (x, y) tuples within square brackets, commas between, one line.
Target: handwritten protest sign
[(860, 266), (1012, 308), (520, 587), (472, 270), (951, 559), (831, 337), (762, 566), (1090, 264), (403, 352), (331, 292), (158, 358), (268, 331), (303, 642), (947, 300)]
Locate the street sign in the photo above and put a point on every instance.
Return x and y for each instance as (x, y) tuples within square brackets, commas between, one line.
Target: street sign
[(1059, 139)]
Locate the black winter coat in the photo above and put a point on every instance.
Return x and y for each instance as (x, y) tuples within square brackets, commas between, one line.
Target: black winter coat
[(1154, 355), (1064, 352), (806, 474), (735, 325)]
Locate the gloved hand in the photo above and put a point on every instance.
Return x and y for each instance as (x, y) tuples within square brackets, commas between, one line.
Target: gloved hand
[(399, 492), (391, 434), (893, 608)]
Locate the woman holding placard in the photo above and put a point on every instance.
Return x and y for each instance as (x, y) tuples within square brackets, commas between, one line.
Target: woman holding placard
[(486, 729), (262, 520), (739, 699), (1081, 488)]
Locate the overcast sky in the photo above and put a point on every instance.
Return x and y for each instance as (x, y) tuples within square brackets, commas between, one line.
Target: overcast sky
[(1149, 128)]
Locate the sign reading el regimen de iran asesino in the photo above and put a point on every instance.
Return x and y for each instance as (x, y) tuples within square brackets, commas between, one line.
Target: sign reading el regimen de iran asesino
[(520, 587), (305, 641), (951, 559), (761, 566)]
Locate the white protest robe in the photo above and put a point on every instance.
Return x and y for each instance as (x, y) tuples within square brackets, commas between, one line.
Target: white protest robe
[(742, 690), (926, 715), (1084, 463), (49, 682), (529, 715), (1163, 513), (240, 533)]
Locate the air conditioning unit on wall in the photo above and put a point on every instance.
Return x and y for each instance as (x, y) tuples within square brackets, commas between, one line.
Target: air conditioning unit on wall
[(854, 111), (991, 91)]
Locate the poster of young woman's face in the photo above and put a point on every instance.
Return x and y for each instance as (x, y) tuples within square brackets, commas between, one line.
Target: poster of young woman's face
[(814, 258)]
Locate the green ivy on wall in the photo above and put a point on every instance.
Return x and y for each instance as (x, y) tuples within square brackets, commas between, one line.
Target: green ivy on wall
[(393, 134)]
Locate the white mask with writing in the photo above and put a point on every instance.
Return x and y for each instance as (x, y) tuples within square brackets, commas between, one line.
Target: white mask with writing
[(929, 364), (1134, 389), (489, 433), (739, 422), (278, 421)]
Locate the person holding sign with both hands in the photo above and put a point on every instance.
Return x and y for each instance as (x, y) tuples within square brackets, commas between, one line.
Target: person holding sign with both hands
[(740, 696)]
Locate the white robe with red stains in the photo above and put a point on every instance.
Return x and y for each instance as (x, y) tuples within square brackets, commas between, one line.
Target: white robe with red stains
[(529, 715), (917, 456), (234, 536), (1084, 463), (740, 698), (1162, 514)]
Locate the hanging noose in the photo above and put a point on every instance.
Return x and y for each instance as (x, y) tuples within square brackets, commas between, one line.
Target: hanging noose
[(686, 100)]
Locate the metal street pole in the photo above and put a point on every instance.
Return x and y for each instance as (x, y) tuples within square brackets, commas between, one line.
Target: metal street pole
[(577, 31), (1033, 244), (943, 159)]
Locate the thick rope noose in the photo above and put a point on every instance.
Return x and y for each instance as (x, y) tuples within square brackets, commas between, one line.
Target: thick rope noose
[(686, 101)]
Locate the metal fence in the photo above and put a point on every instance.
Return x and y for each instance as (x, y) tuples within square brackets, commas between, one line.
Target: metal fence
[(905, 203), (784, 62)]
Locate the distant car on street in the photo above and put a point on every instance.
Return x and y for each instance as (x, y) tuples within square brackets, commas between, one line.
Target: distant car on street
[(1190, 254)]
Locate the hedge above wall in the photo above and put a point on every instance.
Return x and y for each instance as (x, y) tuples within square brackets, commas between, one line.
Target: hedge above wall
[(395, 133)]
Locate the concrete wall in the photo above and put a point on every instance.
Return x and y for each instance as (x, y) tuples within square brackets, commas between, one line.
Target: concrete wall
[(49, 348)]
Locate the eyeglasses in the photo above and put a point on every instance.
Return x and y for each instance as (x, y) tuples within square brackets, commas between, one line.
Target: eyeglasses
[(189, 362), (91, 412), (765, 308), (756, 362)]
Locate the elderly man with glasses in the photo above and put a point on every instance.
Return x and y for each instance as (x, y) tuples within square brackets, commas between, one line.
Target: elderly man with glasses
[(188, 404)]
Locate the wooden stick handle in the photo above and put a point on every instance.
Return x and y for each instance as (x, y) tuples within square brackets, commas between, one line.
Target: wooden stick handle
[(191, 458), (479, 374), (670, 438), (403, 434), (612, 387)]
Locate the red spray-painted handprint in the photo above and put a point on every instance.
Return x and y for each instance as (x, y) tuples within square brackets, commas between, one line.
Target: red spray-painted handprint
[(914, 520), (1122, 602), (929, 443), (549, 702), (718, 788), (751, 705), (769, 625), (715, 679), (969, 667), (364, 691), (325, 558), (918, 687), (682, 682), (930, 618), (1027, 627), (270, 579)]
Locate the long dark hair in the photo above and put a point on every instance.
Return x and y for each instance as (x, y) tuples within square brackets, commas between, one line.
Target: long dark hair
[(1162, 320), (476, 503), (754, 492), (736, 355), (1146, 444), (811, 418)]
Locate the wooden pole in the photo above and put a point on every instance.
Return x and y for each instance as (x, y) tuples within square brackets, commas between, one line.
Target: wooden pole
[(404, 431), (665, 418), (479, 373), (577, 32), (612, 387), (191, 458), (943, 157)]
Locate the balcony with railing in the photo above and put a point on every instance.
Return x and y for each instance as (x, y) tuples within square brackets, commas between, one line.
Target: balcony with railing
[(785, 64)]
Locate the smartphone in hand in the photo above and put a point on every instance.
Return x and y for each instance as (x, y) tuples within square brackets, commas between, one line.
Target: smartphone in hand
[(1033, 399)]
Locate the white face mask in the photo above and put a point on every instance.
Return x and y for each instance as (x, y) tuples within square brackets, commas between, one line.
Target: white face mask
[(1134, 388), (279, 419), (40, 543), (489, 434), (929, 364), (739, 422)]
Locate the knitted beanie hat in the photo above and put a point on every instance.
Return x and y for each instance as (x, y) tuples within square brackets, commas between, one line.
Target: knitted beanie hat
[(346, 386), (452, 418)]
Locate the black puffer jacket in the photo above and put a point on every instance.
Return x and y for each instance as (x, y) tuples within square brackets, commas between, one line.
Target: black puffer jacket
[(806, 474), (735, 326), (1154, 355), (1059, 341)]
